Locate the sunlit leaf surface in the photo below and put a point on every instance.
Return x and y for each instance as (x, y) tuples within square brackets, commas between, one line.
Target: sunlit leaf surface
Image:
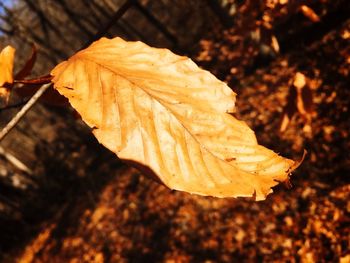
[(165, 115)]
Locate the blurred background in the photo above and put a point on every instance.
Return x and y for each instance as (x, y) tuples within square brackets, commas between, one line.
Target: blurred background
[(65, 198)]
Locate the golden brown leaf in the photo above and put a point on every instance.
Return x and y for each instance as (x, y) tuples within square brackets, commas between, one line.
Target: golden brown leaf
[(7, 56), (299, 99), (309, 13), (168, 117)]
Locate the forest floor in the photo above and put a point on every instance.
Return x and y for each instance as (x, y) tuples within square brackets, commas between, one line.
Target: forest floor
[(126, 217)]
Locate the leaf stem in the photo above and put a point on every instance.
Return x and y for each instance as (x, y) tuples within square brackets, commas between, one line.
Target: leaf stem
[(23, 111)]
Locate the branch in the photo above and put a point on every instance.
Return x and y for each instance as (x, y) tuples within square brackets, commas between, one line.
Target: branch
[(73, 17), (23, 111), (6, 31), (118, 14), (151, 18), (14, 161)]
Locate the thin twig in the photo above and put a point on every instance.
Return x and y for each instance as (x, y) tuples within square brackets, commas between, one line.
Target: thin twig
[(118, 14), (23, 111), (14, 161)]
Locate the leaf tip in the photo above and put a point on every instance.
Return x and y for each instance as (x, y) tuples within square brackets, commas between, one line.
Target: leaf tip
[(296, 164)]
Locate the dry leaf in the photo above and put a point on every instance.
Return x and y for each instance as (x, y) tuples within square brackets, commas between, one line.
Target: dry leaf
[(274, 44), (299, 80), (304, 102), (309, 13), (7, 56), (299, 99), (5, 94), (290, 109), (169, 118), (28, 66)]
